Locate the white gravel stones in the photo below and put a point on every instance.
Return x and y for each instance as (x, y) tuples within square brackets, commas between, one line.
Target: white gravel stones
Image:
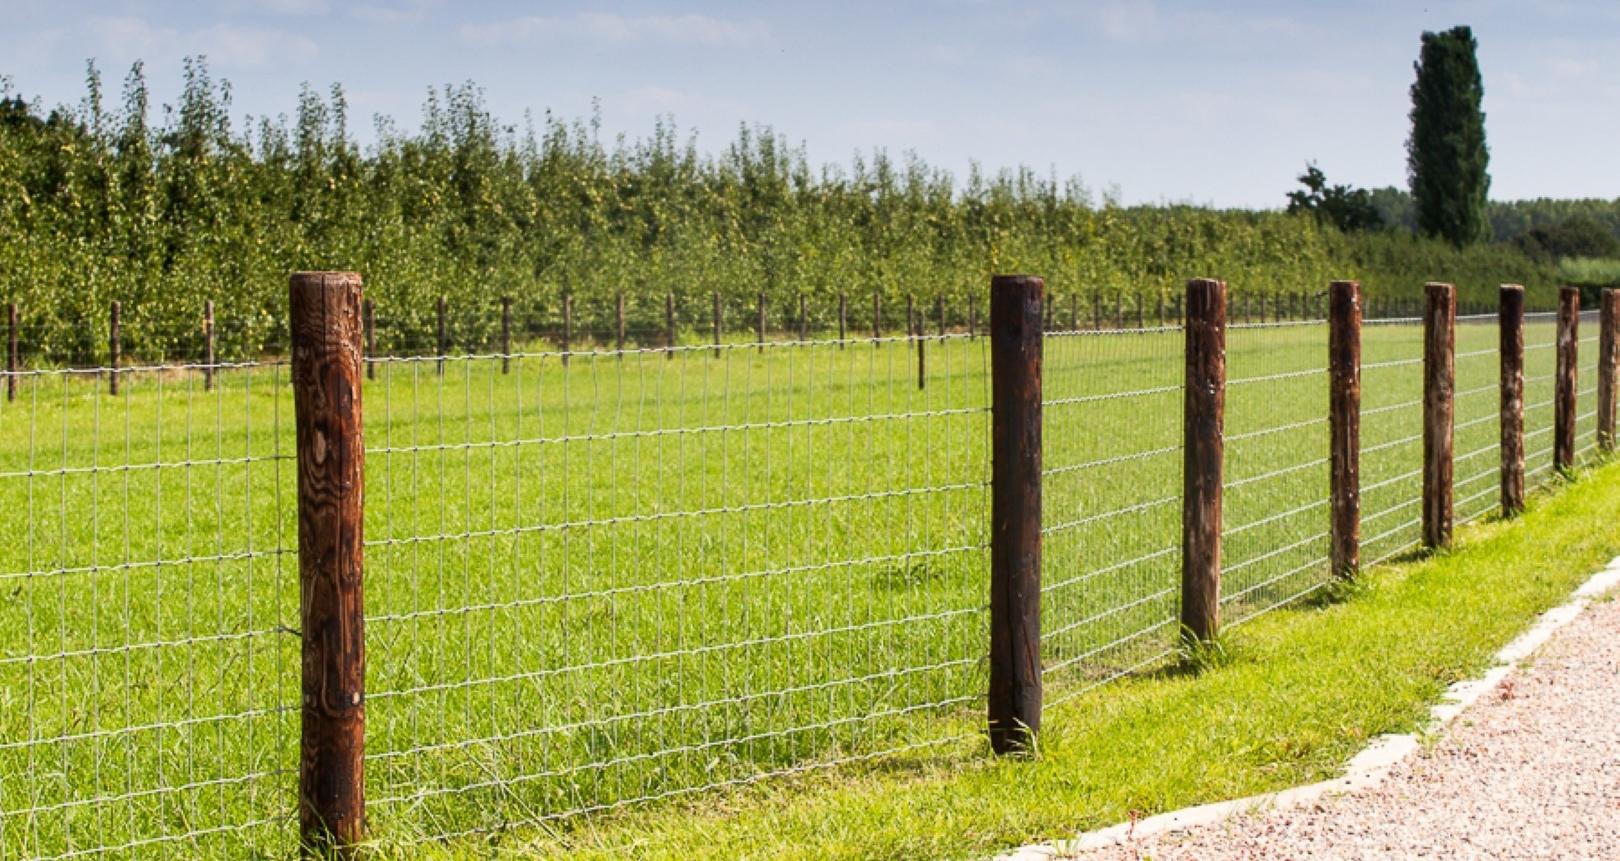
[(1530, 770)]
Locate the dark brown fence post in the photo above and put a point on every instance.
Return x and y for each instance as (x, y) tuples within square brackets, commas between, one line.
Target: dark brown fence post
[(1569, 321), (804, 320), (1439, 385), (326, 351), (506, 334), (618, 313), (444, 337), (568, 327), (669, 324), (1510, 321), (115, 346), (369, 321), (843, 320), (1202, 466), (1344, 416), (13, 361), (717, 324), (1607, 369), (922, 351), (208, 345), (1015, 511), (877, 317), (911, 315), (761, 327)]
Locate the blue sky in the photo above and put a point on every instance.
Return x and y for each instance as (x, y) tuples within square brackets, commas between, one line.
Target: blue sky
[(1159, 100)]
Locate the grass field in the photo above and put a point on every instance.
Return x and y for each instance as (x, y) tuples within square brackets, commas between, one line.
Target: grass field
[(636, 576)]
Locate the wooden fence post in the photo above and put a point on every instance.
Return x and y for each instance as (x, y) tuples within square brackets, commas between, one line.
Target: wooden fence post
[(804, 320), (1202, 465), (13, 361), (208, 345), (877, 318), (843, 320), (115, 345), (1344, 416), (1569, 321), (922, 350), (911, 315), (326, 358), (1439, 386), (761, 330), (669, 325), (618, 313), (444, 336), (1608, 368), (568, 327), (1510, 321), (369, 321), (506, 334), (1015, 511), (717, 324)]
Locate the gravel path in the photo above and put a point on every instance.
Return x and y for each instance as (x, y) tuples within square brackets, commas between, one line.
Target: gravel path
[(1532, 770)]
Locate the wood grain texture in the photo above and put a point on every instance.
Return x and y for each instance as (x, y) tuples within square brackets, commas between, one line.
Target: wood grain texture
[(1344, 419), (1016, 321), (1566, 378), (326, 381), (1203, 454), (1439, 389), (1510, 322)]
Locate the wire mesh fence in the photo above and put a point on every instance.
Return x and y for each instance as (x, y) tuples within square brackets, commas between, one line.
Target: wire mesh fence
[(600, 577)]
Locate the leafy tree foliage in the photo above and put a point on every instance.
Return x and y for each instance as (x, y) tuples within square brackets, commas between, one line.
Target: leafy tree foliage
[(1339, 205), (1446, 157)]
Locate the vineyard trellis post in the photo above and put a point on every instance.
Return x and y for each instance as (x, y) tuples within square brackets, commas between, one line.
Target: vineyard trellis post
[(1510, 320), (506, 334), (13, 365), (115, 345), (1344, 415), (669, 325), (1569, 321), (326, 334), (1439, 385), (208, 345), (1608, 368), (1203, 452), (618, 314), (369, 309), (1014, 701), (444, 336)]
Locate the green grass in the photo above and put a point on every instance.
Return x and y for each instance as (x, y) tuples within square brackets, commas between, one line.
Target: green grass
[(597, 614), (1297, 694)]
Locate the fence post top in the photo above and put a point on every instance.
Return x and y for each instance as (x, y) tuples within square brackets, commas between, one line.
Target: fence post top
[(1205, 283), (1012, 282), (1438, 287), (1344, 285)]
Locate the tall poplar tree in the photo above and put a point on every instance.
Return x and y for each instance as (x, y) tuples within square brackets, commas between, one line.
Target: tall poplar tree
[(1446, 156)]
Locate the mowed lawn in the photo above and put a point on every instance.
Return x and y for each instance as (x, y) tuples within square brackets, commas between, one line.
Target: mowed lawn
[(611, 584)]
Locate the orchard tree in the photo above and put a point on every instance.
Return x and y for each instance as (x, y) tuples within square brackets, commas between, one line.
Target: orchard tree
[(1446, 155)]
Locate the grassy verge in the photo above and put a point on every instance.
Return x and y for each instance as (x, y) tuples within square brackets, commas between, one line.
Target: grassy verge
[(1300, 692)]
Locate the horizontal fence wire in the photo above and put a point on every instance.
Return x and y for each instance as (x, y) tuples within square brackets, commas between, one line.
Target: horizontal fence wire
[(148, 644)]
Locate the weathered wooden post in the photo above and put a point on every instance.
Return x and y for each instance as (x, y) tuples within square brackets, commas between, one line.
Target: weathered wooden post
[(13, 360), (877, 318), (115, 346), (804, 320), (506, 334), (1439, 385), (922, 351), (208, 345), (911, 316), (444, 336), (669, 325), (326, 359), (369, 321), (843, 320), (1608, 368), (1344, 418), (1015, 511), (1510, 321), (1202, 465), (1569, 321)]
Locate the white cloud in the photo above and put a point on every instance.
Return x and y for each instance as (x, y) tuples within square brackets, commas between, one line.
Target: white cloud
[(284, 7), (701, 30), (406, 12), (1130, 21), (122, 40)]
